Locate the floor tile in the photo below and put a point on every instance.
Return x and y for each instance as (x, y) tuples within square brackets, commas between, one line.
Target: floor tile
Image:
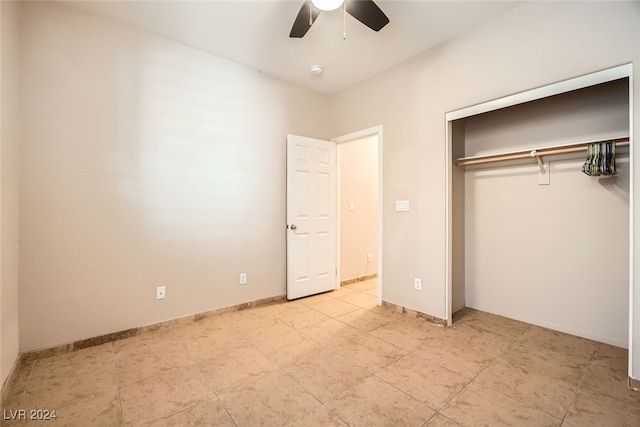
[(608, 353), (332, 307), (239, 365), (141, 342), (388, 312), (464, 314), (99, 410), (549, 395), (272, 399), (331, 331), (54, 388), (480, 339), (363, 286), (246, 321), (359, 299), (163, 395), (370, 352), (324, 360), (213, 344), (312, 299), (82, 360), (426, 381), (477, 405), (595, 409), (406, 333), (273, 310), (376, 403), (262, 329), (150, 360), (499, 325), (326, 373), (546, 362), (546, 340), (202, 327), (373, 291), (363, 319), (302, 316), (440, 421), (458, 354), (343, 292), (17, 385), (287, 347), (611, 379), (208, 413), (103, 410), (320, 416)]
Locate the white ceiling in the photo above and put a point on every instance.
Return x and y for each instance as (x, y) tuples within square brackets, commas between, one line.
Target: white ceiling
[(256, 33)]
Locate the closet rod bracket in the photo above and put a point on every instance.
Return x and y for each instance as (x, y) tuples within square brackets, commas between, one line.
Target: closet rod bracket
[(538, 157)]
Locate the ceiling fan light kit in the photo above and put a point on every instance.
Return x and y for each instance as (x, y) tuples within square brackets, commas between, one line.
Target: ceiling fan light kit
[(327, 5), (365, 11)]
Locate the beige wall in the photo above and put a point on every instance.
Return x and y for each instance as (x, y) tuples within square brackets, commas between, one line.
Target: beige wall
[(358, 227), (533, 45), (145, 163), (9, 134)]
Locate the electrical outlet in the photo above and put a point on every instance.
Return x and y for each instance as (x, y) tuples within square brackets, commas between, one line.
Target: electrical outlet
[(243, 278), (369, 257), (161, 292), (417, 284)]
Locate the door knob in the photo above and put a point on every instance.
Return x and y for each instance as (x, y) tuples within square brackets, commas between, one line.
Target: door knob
[(293, 227)]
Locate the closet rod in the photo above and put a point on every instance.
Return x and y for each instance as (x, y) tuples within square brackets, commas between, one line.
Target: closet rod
[(533, 153)]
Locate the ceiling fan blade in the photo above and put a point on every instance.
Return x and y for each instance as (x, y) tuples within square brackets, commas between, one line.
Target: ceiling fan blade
[(367, 12), (301, 25)]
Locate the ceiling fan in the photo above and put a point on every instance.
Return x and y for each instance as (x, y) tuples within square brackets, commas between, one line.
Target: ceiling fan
[(365, 11)]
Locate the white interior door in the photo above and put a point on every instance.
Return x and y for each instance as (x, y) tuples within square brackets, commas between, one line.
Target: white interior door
[(311, 216)]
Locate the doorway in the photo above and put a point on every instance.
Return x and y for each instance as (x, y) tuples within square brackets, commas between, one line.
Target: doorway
[(359, 206)]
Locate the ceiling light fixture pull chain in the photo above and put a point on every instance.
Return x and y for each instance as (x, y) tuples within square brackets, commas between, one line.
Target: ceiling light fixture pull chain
[(344, 20)]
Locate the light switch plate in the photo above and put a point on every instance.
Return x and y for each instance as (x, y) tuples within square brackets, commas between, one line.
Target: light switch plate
[(402, 206)]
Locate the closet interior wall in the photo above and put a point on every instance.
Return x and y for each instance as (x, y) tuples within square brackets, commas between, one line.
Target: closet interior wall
[(553, 255)]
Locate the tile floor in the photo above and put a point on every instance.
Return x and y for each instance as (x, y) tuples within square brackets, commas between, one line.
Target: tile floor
[(333, 360)]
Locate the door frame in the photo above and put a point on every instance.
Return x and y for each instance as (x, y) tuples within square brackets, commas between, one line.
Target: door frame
[(376, 130)]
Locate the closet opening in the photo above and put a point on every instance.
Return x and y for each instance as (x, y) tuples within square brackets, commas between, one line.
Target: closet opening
[(532, 236)]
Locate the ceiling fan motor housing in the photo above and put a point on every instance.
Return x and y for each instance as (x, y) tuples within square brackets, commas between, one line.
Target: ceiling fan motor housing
[(365, 11)]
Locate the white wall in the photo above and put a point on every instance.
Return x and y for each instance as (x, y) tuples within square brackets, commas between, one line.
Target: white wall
[(553, 255), (145, 163), (9, 135), (530, 46), (358, 227)]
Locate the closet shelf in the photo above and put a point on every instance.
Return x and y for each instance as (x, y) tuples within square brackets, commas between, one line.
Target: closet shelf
[(535, 153)]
